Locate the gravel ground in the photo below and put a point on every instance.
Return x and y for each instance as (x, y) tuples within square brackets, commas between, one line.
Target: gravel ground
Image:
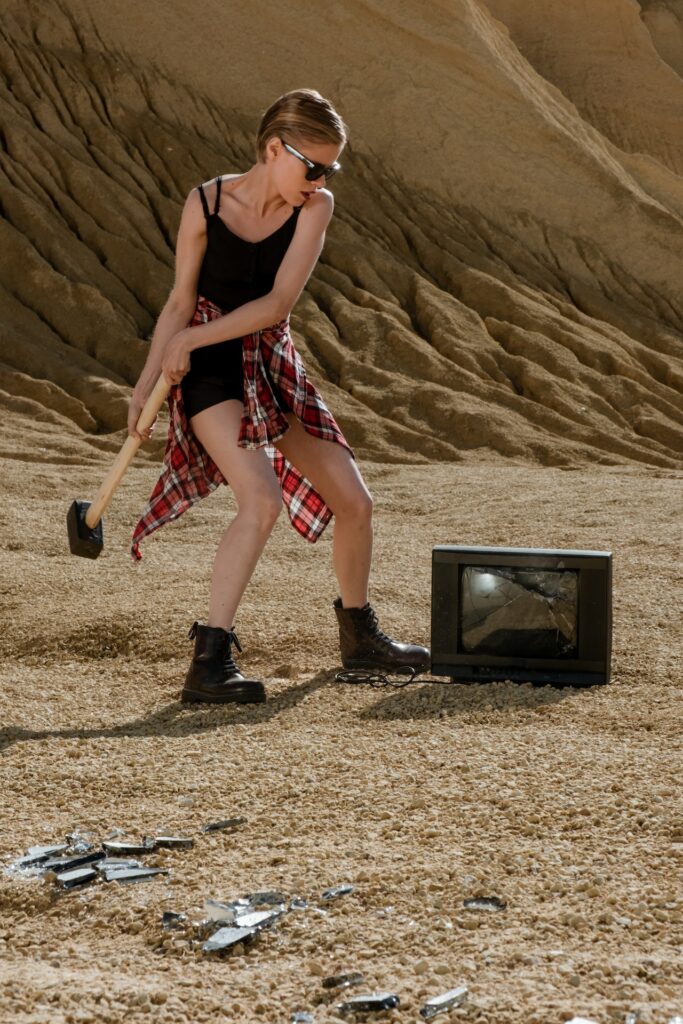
[(565, 803)]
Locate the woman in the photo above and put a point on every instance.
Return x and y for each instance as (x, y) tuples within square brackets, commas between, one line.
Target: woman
[(242, 409)]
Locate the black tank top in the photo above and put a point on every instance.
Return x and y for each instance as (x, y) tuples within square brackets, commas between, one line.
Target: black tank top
[(235, 271)]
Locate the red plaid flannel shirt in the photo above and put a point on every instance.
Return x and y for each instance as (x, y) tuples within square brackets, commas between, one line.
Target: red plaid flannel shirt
[(189, 473)]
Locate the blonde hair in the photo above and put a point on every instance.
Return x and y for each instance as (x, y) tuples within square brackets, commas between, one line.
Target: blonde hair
[(304, 116)]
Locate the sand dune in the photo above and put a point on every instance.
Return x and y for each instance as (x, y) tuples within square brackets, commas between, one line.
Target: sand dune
[(664, 20), (605, 58), (503, 270)]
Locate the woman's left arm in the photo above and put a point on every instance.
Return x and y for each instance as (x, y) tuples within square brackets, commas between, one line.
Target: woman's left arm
[(293, 273), (303, 251)]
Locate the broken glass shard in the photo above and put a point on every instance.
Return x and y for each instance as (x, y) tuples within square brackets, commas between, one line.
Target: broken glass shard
[(257, 919), (171, 920), (675, 1020), (243, 913), (38, 854), (226, 938), (484, 903), (205, 928), (60, 864), (174, 842), (218, 826), (78, 841), (118, 846), (117, 864), (240, 903), (632, 1018), (270, 898), (302, 1017), (519, 612), (132, 874), (343, 980), (439, 1004), (298, 904), (216, 911), (338, 890), (373, 1001), (77, 876)]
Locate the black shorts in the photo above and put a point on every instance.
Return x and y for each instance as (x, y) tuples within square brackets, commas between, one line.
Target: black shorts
[(204, 387), (215, 375), (201, 392)]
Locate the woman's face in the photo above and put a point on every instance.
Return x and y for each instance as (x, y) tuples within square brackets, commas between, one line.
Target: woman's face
[(289, 172)]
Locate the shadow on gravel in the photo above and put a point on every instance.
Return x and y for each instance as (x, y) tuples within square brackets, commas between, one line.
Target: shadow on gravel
[(178, 719)]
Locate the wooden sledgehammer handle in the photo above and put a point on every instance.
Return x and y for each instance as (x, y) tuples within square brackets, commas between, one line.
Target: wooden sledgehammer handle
[(127, 453)]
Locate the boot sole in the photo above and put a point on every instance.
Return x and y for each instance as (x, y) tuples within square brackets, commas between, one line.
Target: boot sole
[(191, 696)]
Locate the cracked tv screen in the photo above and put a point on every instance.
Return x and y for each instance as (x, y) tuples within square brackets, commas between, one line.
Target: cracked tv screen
[(518, 612)]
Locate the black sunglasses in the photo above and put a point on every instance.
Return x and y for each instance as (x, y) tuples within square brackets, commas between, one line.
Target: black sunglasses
[(314, 170)]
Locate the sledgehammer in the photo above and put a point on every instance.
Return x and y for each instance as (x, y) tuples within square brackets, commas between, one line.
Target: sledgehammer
[(84, 518)]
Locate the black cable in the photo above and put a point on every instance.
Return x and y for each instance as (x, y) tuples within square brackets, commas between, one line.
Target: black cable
[(377, 679)]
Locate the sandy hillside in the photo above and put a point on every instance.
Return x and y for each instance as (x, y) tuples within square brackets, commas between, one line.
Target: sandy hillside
[(508, 233), (512, 248)]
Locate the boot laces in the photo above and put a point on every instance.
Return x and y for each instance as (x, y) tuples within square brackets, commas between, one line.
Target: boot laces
[(232, 638), (232, 635), (228, 663), (373, 626)]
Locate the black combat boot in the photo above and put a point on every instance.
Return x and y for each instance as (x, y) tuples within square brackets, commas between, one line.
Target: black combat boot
[(213, 676), (365, 646)]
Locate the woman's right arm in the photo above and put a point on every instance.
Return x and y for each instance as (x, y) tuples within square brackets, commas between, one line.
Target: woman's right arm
[(179, 307)]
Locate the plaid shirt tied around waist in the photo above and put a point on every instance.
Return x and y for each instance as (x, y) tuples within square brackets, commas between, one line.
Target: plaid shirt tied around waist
[(189, 473)]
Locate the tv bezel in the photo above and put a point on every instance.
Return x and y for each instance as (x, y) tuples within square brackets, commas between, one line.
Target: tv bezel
[(593, 663)]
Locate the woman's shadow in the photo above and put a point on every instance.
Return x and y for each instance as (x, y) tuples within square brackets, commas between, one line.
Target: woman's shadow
[(178, 719), (409, 702)]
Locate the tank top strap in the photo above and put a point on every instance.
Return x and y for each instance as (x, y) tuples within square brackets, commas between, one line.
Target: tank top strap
[(200, 189), (219, 182)]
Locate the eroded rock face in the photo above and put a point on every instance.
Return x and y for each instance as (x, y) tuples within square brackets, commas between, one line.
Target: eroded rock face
[(505, 280)]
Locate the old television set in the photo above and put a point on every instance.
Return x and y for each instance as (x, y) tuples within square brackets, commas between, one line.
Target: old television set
[(524, 614)]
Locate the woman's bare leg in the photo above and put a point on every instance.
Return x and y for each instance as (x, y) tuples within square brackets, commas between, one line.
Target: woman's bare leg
[(253, 481), (336, 477), (351, 556)]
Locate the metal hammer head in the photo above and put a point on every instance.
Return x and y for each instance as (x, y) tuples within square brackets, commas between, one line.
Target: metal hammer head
[(82, 539)]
